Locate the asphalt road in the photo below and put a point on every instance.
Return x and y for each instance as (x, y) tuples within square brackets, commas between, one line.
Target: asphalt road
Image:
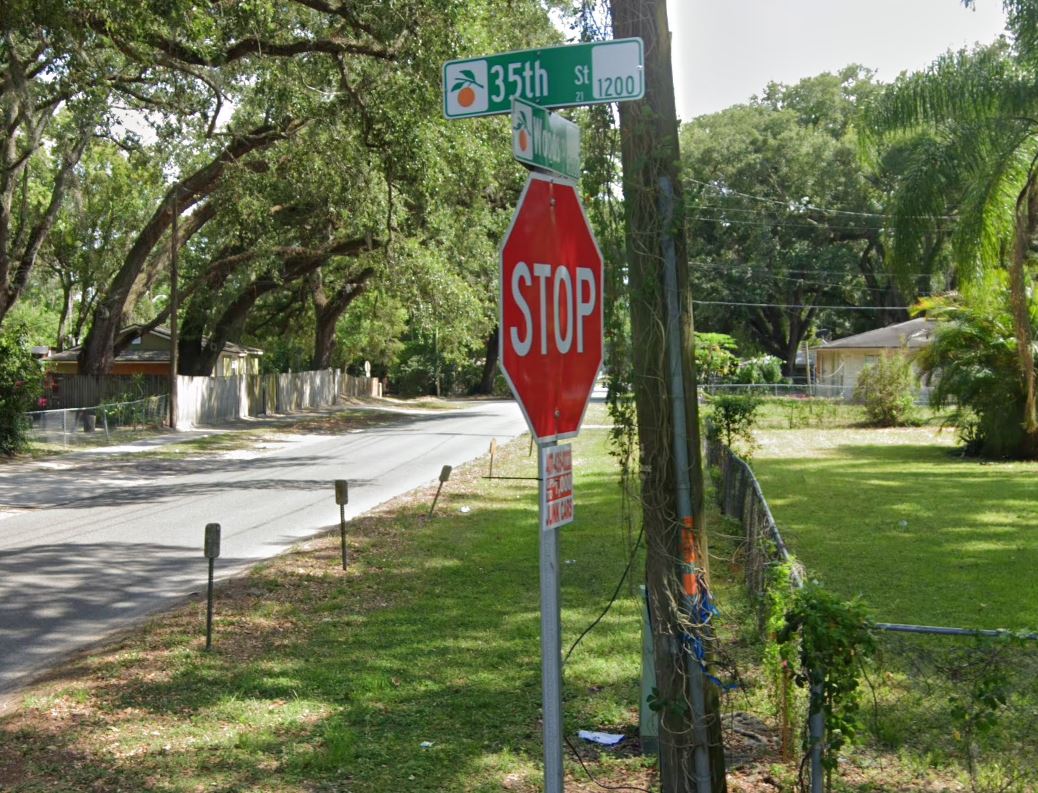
[(88, 547)]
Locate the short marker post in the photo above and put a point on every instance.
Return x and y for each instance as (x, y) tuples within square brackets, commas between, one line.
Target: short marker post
[(342, 498), (445, 474), (211, 551)]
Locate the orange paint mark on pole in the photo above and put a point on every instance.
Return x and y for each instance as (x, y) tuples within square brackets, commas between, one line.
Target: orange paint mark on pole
[(688, 557)]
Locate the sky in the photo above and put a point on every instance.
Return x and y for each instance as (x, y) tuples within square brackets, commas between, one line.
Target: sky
[(725, 51)]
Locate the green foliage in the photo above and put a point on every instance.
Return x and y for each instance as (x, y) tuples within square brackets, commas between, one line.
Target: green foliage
[(969, 138), (764, 369), (21, 382), (779, 210), (887, 389), (715, 356), (974, 363), (834, 640), (422, 369), (809, 412), (732, 418)]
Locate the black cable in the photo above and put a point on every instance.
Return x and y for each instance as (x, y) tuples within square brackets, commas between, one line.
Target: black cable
[(609, 605), (591, 776)]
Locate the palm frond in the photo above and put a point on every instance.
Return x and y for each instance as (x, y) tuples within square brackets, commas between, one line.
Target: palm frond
[(964, 86)]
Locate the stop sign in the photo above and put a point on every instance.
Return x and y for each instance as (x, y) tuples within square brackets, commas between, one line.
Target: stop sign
[(551, 307)]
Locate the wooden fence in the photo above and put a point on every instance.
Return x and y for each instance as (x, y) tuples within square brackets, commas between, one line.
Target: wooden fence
[(210, 400), (84, 390)]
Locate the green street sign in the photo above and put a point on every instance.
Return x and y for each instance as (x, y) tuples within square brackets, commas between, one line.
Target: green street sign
[(577, 74), (544, 139)]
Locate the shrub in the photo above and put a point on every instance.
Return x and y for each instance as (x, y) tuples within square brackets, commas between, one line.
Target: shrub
[(732, 421), (973, 360), (887, 389), (764, 369), (715, 357), (21, 383)]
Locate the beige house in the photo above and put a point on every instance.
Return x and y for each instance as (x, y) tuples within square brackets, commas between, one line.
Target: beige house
[(839, 363), (149, 354)]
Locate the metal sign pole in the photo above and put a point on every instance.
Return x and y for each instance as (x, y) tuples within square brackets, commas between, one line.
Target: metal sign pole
[(551, 639)]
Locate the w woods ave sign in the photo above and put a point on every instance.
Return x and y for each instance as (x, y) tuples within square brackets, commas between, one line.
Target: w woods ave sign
[(544, 139), (578, 74)]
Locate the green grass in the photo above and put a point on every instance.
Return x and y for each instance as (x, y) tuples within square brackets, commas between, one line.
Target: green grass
[(329, 681), (896, 516)]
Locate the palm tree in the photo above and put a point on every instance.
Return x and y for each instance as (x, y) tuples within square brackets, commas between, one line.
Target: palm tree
[(969, 127), (972, 361)]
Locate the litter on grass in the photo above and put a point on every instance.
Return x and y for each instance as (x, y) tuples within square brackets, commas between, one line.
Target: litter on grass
[(604, 738)]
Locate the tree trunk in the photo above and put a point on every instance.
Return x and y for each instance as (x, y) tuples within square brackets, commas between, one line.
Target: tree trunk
[(18, 255), (650, 159), (1026, 224), (327, 312), (486, 380), (98, 350), (198, 355)]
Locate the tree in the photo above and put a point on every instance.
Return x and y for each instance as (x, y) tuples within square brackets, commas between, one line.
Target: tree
[(51, 92), (783, 218), (973, 363), (110, 195), (887, 390), (357, 85), (972, 140), (20, 383)]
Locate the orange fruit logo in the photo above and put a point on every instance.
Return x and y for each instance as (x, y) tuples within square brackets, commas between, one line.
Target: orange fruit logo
[(524, 136), (465, 88)]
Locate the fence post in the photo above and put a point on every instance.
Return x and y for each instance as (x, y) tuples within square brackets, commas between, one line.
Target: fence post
[(816, 735)]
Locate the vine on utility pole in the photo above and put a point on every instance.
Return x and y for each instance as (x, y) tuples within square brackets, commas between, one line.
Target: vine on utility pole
[(691, 752)]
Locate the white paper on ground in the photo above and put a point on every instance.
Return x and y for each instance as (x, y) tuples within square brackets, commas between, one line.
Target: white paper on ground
[(604, 738)]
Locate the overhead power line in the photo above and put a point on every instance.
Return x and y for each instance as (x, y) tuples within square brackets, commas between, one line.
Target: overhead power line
[(765, 267), (797, 305), (791, 205)]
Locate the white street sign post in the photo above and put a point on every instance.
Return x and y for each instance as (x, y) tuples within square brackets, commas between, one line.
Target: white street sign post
[(551, 349)]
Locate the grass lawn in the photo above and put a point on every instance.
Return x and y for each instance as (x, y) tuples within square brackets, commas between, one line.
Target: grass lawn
[(925, 536), (418, 669)]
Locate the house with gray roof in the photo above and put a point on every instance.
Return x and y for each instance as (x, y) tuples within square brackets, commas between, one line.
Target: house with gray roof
[(838, 363)]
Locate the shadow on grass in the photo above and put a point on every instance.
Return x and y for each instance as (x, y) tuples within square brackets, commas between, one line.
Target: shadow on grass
[(324, 680), (925, 536)]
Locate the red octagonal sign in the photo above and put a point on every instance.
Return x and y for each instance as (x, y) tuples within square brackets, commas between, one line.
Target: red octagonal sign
[(551, 308)]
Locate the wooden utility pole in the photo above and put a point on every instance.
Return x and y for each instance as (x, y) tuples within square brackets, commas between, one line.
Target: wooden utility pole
[(691, 752)]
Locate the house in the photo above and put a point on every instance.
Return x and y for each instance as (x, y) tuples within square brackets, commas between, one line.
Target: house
[(149, 354), (838, 363)]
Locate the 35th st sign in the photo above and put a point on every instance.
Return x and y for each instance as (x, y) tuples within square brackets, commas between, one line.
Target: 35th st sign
[(578, 74)]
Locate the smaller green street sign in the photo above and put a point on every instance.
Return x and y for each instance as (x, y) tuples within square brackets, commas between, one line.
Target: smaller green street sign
[(544, 139), (577, 74)]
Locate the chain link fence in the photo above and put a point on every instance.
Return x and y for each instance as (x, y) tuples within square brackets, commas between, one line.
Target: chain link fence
[(799, 390), (100, 424), (958, 706)]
